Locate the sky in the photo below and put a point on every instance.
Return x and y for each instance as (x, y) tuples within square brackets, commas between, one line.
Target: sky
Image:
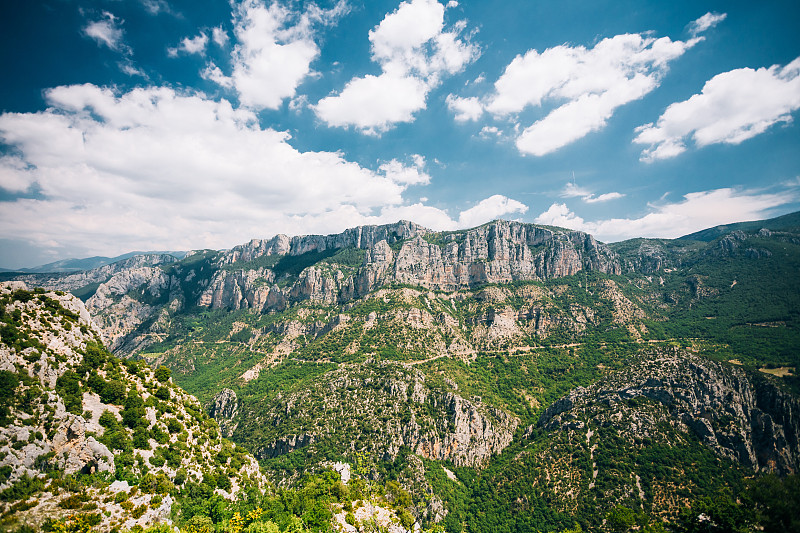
[(176, 125)]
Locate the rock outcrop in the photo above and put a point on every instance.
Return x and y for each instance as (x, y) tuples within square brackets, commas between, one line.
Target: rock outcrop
[(739, 416), (62, 412), (390, 400), (224, 408)]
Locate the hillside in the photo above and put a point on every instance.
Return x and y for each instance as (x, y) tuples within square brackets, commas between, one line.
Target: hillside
[(509, 377)]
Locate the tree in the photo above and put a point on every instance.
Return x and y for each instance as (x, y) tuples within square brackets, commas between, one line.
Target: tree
[(162, 373), (621, 518)]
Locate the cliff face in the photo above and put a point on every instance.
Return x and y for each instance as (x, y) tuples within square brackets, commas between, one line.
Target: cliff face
[(70, 282), (137, 295), (361, 237), (744, 418), (495, 253)]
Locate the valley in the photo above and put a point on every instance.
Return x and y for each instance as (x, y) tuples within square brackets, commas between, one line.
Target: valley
[(509, 377)]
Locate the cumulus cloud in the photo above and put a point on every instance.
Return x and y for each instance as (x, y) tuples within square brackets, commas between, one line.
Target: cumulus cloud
[(220, 36), (414, 50), (733, 106), (696, 211), (374, 103), (413, 174), (580, 87), (274, 50), (155, 168), (465, 108), (107, 31), (490, 209), (191, 45)]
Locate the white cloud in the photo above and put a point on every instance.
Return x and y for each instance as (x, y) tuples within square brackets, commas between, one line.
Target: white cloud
[(580, 88), (571, 190), (734, 106), (154, 7), (560, 215), (465, 108), (220, 36), (414, 51), (191, 45), (407, 175), (15, 175), (107, 31), (490, 209), (709, 20), (374, 103), (274, 50), (603, 197), (128, 67), (488, 132), (215, 74), (698, 210), (154, 168)]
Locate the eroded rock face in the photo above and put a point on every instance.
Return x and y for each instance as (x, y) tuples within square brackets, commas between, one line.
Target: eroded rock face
[(69, 282), (501, 252), (740, 417), (224, 408), (473, 437), (117, 312), (498, 252)]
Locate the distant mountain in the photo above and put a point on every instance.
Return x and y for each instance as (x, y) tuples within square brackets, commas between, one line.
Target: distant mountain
[(783, 223), (509, 377), (87, 263)]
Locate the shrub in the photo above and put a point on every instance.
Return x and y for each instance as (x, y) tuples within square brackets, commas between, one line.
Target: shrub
[(162, 373), (162, 393), (109, 420), (224, 482), (174, 426)]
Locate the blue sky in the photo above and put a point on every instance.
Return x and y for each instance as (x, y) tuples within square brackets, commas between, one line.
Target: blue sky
[(174, 125)]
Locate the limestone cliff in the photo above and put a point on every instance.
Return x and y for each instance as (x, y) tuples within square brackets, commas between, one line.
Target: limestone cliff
[(741, 417)]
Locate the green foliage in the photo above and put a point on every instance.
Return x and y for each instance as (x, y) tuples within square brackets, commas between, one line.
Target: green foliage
[(162, 373), (776, 502), (8, 385), (162, 393), (621, 518), (22, 489), (133, 413), (69, 387)]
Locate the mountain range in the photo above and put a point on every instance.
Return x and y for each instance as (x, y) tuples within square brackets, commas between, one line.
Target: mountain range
[(509, 377)]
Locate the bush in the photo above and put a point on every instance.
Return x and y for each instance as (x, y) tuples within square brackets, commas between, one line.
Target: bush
[(224, 482), (113, 392), (262, 527), (174, 426), (162, 393), (180, 476), (109, 420), (162, 373)]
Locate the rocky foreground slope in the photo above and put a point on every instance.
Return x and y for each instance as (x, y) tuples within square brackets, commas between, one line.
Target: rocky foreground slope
[(85, 435)]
